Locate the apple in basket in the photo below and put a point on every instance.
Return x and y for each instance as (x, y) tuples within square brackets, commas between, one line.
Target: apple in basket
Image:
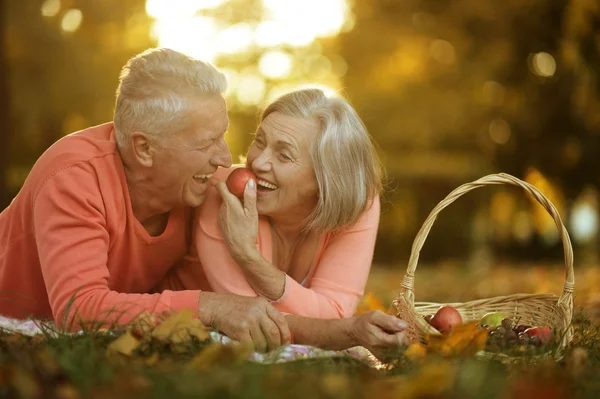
[(544, 333), (236, 182), (445, 319), (491, 319)]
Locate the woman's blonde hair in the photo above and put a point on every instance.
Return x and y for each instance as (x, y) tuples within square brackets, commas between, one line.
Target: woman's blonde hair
[(347, 167), (156, 89)]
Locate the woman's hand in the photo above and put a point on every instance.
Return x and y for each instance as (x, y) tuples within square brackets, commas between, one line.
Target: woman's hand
[(380, 333), (239, 222)]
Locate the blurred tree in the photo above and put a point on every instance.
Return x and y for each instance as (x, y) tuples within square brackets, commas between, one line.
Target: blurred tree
[(64, 59)]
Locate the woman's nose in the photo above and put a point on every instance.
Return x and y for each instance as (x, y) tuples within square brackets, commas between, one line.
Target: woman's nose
[(262, 162)]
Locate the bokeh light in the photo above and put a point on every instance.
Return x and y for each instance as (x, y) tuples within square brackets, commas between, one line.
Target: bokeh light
[(71, 20), (543, 64), (50, 8), (275, 64), (189, 27)]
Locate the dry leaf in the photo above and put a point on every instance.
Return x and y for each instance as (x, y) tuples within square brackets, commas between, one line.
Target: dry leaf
[(415, 352), (233, 353), (66, 391), (181, 327), (369, 303), (464, 340), (125, 344), (433, 380)]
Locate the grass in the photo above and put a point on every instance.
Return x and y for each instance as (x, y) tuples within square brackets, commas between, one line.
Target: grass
[(81, 366)]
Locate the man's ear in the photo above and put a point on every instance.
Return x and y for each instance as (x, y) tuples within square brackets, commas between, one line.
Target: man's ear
[(141, 147)]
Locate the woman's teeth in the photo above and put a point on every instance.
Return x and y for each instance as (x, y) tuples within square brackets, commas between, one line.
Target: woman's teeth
[(204, 177), (268, 185)]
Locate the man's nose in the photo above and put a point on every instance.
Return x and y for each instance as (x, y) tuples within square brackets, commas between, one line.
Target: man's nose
[(223, 155)]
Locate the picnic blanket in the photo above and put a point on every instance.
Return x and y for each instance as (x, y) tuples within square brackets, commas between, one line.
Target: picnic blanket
[(282, 354)]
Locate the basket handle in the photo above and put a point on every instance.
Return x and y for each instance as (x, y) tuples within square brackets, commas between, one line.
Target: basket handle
[(566, 298)]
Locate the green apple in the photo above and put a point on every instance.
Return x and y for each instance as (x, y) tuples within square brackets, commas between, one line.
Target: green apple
[(492, 319)]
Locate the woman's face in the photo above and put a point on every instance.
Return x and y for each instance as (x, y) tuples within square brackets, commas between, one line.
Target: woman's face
[(280, 158)]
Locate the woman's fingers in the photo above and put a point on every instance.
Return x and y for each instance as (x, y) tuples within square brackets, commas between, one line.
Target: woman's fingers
[(224, 193), (388, 322)]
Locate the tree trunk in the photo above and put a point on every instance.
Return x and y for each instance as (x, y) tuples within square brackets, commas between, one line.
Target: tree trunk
[(5, 117)]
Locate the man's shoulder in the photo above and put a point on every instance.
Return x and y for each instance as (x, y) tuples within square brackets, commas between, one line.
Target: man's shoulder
[(83, 146), (92, 148)]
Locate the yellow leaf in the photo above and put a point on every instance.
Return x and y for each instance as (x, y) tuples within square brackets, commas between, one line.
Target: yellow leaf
[(232, 353), (369, 303), (181, 327), (464, 340), (125, 344), (415, 352)]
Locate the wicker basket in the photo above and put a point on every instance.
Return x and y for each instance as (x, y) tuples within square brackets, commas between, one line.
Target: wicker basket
[(532, 309)]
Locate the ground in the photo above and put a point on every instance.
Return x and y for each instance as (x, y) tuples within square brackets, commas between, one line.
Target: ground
[(89, 366)]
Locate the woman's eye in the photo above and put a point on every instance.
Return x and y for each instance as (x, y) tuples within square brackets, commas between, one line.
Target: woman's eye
[(286, 156)]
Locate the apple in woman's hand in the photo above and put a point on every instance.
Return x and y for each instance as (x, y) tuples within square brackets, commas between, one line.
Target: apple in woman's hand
[(236, 182), (445, 319)]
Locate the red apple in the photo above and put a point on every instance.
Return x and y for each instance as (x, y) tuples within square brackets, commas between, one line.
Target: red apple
[(445, 319), (544, 333), (236, 182)]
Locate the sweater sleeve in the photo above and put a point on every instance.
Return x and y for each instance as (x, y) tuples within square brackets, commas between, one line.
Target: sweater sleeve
[(340, 275), (73, 244)]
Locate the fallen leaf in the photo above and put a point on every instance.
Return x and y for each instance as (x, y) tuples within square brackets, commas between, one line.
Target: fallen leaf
[(369, 303), (216, 353), (125, 344), (464, 340), (415, 352), (181, 327), (66, 391)]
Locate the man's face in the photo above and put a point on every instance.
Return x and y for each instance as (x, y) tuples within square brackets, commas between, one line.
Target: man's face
[(185, 163)]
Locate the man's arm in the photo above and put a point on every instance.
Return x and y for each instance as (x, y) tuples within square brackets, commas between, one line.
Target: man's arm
[(73, 245)]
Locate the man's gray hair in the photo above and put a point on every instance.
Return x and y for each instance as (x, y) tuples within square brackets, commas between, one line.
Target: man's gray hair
[(347, 168), (155, 92)]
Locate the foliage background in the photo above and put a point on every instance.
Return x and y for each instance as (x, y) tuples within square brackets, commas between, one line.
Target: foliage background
[(450, 91)]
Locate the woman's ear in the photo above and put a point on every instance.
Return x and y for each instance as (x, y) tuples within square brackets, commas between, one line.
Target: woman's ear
[(142, 148)]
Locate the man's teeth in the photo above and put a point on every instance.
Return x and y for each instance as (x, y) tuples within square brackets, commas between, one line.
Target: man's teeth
[(204, 177), (267, 185)]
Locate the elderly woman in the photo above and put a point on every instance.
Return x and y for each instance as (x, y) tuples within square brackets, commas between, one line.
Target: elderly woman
[(304, 234)]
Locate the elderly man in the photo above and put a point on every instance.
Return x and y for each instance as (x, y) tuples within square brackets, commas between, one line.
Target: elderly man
[(105, 212)]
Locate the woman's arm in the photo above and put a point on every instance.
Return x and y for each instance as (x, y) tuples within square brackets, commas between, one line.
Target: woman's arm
[(380, 333), (340, 275)]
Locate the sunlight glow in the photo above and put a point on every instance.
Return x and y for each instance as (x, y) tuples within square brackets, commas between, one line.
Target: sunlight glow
[(186, 26), (178, 9), (250, 90), (194, 36), (234, 39), (71, 20), (50, 8), (275, 64), (297, 23), (543, 64)]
